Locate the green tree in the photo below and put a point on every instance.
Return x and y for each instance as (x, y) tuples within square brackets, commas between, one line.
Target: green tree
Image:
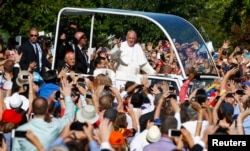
[(216, 20)]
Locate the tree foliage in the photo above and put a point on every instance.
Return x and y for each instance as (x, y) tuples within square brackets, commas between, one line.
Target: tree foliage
[(216, 20)]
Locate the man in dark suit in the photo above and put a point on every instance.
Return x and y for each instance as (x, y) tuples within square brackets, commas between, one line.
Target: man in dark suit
[(32, 52), (82, 65)]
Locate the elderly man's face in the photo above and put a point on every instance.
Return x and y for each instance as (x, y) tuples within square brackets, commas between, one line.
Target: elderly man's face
[(70, 59), (131, 38)]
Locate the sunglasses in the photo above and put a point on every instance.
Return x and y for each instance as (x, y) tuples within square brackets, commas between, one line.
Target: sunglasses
[(83, 37), (31, 35)]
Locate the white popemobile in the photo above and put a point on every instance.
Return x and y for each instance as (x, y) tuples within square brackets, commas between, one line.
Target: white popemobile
[(173, 27)]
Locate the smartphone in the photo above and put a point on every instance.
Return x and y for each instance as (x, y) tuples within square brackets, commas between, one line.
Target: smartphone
[(20, 134), (80, 80), (230, 95), (25, 76), (174, 133), (240, 92), (171, 89), (88, 96), (172, 95)]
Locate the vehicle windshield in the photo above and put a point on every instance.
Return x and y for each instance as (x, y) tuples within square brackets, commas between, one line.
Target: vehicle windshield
[(200, 84), (172, 85), (191, 48)]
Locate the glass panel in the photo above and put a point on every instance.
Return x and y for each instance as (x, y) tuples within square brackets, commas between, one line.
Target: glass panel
[(198, 84), (190, 46), (172, 84)]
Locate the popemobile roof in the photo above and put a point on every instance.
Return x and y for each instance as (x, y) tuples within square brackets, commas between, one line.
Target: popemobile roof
[(175, 28)]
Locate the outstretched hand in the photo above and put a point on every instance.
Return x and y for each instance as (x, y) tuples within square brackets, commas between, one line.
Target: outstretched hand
[(105, 130), (65, 88), (226, 44)]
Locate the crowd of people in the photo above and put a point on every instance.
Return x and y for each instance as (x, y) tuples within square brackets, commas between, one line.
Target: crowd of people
[(62, 109)]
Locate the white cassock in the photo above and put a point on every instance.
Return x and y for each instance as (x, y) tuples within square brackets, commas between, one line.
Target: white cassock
[(135, 60)]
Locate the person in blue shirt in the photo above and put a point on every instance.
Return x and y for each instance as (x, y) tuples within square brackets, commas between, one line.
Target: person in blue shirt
[(46, 132)]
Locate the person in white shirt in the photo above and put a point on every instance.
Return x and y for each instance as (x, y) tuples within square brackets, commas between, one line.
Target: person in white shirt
[(131, 59)]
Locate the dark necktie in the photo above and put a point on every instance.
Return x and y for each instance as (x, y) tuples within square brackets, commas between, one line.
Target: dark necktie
[(85, 54), (37, 58)]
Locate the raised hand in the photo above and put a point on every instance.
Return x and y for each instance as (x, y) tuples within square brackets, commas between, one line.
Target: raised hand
[(65, 88), (226, 44), (105, 130), (17, 57)]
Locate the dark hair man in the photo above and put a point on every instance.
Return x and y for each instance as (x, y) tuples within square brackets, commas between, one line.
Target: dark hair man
[(32, 52)]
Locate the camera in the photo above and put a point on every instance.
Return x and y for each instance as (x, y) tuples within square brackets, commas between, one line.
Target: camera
[(107, 87), (25, 76), (240, 92), (140, 86), (230, 95)]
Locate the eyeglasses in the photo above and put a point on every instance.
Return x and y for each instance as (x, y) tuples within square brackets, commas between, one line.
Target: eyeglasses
[(83, 37), (31, 35)]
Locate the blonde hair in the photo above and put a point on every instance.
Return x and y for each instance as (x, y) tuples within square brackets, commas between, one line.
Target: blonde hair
[(102, 79)]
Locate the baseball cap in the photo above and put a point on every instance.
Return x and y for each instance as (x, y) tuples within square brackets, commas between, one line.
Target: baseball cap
[(227, 108), (116, 138), (110, 114), (11, 116)]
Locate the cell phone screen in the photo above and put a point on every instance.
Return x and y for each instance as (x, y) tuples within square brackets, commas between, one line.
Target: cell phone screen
[(21, 134), (80, 80), (230, 95), (173, 132), (240, 92)]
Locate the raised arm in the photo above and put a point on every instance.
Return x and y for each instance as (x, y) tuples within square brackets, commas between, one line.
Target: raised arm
[(216, 108), (118, 97), (34, 140), (133, 117), (198, 108), (240, 121), (69, 114), (159, 105), (224, 81), (31, 93)]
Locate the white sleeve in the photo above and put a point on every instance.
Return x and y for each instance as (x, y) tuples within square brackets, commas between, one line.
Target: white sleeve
[(7, 85), (148, 69), (177, 115), (114, 49)]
